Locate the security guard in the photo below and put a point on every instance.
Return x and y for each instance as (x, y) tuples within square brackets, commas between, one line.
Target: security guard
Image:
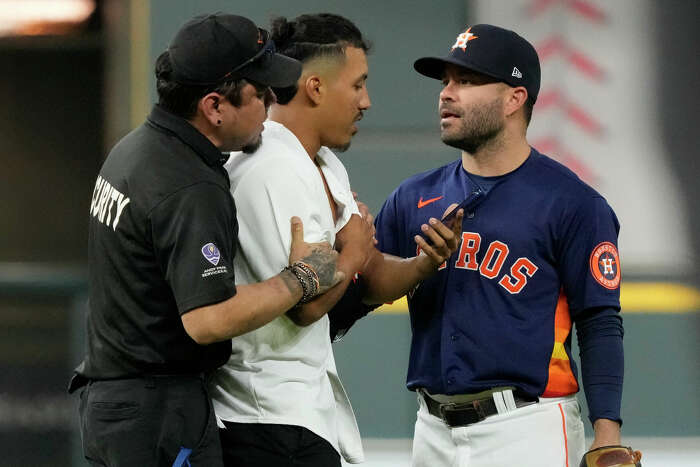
[(162, 238)]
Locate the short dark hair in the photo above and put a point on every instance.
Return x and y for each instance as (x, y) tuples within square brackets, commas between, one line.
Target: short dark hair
[(181, 99), (310, 36)]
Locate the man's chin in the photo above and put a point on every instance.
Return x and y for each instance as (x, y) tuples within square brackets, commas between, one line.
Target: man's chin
[(252, 147), (458, 143), (450, 140), (470, 145), (341, 148)]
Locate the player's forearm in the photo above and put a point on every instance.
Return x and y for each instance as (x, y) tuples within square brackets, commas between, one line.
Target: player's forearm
[(600, 335), (390, 277), (253, 306), (311, 312)]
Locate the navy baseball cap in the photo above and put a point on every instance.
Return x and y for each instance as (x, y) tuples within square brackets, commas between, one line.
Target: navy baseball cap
[(211, 49), (492, 51)]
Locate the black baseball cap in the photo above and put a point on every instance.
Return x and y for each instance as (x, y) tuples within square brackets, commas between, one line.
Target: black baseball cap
[(211, 49), (496, 52)]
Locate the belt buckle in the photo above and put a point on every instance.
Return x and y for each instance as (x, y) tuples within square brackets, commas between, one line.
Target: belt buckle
[(479, 409), (446, 408)]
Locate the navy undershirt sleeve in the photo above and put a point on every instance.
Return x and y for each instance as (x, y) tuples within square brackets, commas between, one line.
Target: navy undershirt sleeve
[(349, 309), (600, 332)]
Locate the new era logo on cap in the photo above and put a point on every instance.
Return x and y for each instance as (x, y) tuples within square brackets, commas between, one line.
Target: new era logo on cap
[(516, 72)]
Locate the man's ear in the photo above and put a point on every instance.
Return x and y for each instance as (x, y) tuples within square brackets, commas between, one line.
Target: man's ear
[(314, 88), (515, 99), (209, 106)]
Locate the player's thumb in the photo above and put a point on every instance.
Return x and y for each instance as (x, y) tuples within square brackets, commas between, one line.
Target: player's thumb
[(297, 231), (449, 209)]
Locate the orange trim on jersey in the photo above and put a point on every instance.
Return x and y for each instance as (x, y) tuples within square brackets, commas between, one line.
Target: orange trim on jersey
[(566, 442), (561, 380)]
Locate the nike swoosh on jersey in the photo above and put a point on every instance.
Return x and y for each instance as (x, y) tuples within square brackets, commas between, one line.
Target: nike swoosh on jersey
[(422, 203)]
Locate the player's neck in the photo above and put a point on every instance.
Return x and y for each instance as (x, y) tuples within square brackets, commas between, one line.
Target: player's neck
[(497, 157), (296, 122)]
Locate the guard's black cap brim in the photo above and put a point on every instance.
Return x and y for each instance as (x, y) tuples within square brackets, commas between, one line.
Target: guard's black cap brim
[(434, 67), (275, 70)]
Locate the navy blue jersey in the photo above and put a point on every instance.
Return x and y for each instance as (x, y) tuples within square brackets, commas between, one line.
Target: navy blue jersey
[(538, 249)]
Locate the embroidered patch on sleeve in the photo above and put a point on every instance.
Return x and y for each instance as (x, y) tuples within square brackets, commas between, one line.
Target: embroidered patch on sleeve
[(605, 265), (211, 253)]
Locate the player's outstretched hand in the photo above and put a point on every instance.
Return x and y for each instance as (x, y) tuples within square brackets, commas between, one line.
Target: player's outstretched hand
[(321, 257), (444, 241)]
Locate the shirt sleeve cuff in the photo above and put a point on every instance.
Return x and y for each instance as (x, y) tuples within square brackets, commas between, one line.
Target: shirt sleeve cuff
[(208, 298)]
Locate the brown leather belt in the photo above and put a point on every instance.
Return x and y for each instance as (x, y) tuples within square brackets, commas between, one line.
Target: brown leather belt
[(468, 413)]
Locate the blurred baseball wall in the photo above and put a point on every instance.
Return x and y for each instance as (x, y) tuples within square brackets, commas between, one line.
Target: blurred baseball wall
[(619, 93)]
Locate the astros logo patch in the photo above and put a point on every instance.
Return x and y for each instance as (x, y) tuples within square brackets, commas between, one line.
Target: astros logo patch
[(605, 265), (462, 40), (211, 253)]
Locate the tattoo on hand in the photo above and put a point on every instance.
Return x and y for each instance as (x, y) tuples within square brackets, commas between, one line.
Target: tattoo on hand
[(323, 261)]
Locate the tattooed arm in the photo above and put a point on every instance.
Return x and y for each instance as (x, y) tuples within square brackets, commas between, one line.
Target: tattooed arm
[(316, 255), (255, 305), (356, 243)]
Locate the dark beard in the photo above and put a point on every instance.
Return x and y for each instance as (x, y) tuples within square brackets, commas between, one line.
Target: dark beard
[(479, 125), (252, 147)]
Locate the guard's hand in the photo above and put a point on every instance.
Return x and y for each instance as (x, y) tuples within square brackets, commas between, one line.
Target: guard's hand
[(319, 256), (443, 240)]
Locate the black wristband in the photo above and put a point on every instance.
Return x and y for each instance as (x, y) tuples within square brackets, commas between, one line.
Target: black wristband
[(308, 279)]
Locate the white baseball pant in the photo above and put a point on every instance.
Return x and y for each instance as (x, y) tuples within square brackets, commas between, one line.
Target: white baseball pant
[(546, 434)]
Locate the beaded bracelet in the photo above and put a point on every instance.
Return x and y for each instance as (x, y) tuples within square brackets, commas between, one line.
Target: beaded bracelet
[(311, 273), (308, 279)]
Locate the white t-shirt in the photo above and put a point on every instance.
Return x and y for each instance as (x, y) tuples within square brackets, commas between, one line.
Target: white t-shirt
[(282, 373)]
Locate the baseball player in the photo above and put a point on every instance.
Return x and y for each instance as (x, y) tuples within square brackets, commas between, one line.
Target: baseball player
[(163, 236), (280, 397), (491, 348)]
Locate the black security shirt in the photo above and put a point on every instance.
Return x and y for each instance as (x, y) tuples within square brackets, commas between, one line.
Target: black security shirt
[(162, 239)]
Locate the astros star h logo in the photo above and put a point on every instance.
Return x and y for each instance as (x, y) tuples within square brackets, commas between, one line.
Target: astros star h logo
[(462, 40)]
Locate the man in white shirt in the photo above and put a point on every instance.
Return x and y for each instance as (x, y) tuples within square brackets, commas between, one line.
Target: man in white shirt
[(279, 396)]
